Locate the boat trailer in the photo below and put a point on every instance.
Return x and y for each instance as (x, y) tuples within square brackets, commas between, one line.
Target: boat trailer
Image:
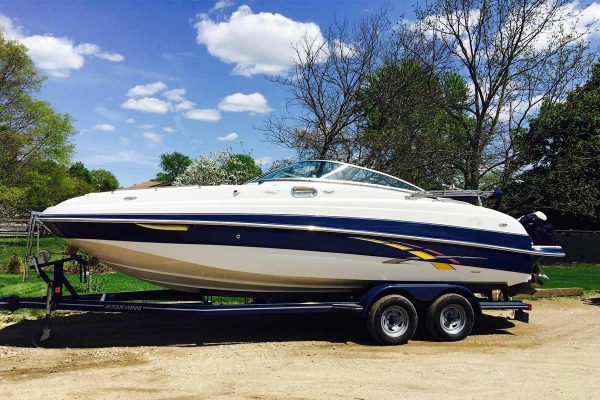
[(170, 301)]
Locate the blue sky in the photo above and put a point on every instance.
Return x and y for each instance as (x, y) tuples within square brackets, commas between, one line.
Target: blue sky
[(112, 63)]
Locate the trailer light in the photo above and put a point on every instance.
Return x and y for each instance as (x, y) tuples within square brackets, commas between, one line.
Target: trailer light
[(529, 307), (57, 290)]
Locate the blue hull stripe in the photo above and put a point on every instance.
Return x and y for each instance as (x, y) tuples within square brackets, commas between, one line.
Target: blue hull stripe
[(416, 229), (264, 237)]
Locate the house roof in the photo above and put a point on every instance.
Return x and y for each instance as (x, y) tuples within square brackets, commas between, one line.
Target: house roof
[(149, 184)]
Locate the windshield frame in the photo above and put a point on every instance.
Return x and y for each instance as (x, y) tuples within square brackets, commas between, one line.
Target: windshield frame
[(342, 165)]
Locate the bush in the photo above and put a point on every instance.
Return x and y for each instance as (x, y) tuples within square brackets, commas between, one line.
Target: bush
[(15, 265)]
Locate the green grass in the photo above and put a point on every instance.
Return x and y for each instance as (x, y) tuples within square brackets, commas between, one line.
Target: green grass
[(586, 276), (11, 246), (11, 284)]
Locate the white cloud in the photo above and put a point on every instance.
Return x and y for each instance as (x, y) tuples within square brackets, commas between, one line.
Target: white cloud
[(152, 137), (184, 105), (146, 90), (264, 160), (104, 127), (221, 5), (147, 104), (239, 102), (146, 126), (228, 138), (122, 156), (130, 121), (56, 56), (208, 115), (256, 43), (168, 129), (90, 49), (175, 94)]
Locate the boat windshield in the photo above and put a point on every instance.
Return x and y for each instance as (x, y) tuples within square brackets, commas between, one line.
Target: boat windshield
[(334, 171)]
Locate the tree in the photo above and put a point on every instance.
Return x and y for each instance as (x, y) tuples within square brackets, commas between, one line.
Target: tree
[(323, 86), (34, 139), (408, 130), (173, 165), (219, 168), (562, 148), (103, 180), (514, 54), (78, 170)]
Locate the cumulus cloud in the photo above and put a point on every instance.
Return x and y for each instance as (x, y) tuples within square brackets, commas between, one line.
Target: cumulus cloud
[(130, 121), (175, 94), (208, 115), (259, 43), (56, 56), (168, 129), (146, 90), (239, 102), (146, 126), (104, 127), (184, 105), (221, 5), (90, 49), (152, 137), (147, 104), (266, 160), (228, 138)]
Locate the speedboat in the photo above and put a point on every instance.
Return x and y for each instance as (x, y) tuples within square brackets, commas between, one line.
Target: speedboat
[(313, 226)]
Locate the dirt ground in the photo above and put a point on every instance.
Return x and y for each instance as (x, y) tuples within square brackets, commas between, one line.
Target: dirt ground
[(557, 355)]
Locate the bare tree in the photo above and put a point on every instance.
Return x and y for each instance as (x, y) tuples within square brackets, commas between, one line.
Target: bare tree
[(323, 86), (514, 54)]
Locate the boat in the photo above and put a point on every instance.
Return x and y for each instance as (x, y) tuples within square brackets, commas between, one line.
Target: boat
[(315, 226)]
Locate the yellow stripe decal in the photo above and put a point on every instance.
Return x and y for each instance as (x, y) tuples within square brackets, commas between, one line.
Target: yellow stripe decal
[(164, 227), (422, 255), (444, 266), (394, 245)]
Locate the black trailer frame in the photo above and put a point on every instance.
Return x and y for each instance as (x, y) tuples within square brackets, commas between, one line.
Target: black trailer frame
[(170, 301)]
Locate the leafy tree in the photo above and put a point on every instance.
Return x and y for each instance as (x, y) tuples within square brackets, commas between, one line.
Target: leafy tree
[(78, 170), (34, 139), (561, 148), (414, 123), (219, 168), (514, 55), (173, 165), (103, 180)]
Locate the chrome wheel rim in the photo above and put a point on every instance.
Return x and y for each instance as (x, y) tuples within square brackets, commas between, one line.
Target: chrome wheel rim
[(394, 321), (453, 319)]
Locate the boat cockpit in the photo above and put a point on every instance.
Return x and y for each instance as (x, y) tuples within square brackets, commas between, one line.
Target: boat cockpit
[(334, 171)]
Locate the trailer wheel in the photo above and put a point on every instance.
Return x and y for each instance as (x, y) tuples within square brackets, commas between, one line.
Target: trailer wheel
[(392, 320), (450, 318)]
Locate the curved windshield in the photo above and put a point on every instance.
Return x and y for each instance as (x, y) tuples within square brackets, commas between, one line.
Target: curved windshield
[(304, 169), (334, 171)]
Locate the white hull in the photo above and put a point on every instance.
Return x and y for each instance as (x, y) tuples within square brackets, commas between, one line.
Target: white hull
[(191, 267)]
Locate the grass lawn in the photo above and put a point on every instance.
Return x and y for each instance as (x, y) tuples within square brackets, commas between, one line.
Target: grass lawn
[(586, 276), (11, 246)]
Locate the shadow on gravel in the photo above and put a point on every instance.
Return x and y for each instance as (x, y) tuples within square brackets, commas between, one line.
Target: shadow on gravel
[(88, 330), (592, 301)]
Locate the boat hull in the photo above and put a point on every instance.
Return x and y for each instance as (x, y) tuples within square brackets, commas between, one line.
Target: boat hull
[(194, 254), (193, 267)]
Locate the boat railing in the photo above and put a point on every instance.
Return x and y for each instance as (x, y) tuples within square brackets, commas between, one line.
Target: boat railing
[(474, 196)]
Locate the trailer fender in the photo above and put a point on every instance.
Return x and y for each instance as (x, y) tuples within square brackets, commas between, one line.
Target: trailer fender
[(420, 293)]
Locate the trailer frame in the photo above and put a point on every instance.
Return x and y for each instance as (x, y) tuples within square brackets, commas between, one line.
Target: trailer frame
[(175, 302)]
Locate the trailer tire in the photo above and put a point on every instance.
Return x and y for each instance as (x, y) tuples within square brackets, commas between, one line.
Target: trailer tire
[(450, 318), (392, 320)]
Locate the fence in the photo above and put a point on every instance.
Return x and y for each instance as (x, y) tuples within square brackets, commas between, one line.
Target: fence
[(580, 246), (13, 228)]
